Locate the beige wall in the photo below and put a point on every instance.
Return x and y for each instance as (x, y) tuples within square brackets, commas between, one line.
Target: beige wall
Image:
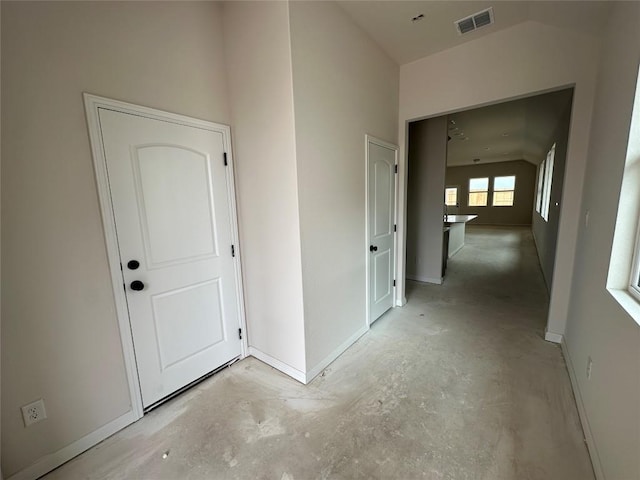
[(598, 327), (344, 87), (60, 338), (545, 233), (518, 214), (514, 62), (425, 199), (258, 55)]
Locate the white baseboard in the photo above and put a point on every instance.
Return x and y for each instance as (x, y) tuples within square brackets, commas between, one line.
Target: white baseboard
[(278, 365), (451, 254), (553, 337), (54, 460), (591, 445), (417, 278), (401, 302), (311, 374)]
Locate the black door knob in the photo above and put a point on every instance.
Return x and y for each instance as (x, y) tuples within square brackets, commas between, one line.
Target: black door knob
[(373, 248), (137, 285), (133, 264)]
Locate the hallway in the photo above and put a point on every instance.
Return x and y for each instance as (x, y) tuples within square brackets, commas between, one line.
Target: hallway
[(459, 384)]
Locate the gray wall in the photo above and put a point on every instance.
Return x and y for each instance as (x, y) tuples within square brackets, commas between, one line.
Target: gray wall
[(597, 325), (344, 87), (519, 214), (425, 198), (545, 233), (60, 336)]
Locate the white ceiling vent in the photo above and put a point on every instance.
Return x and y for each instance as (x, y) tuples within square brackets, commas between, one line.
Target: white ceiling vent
[(475, 21)]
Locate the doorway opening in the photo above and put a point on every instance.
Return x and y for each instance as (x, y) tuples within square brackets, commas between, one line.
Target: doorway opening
[(501, 166)]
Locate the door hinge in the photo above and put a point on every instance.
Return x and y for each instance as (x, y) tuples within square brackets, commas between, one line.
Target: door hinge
[(225, 158), (395, 228), (233, 251), (396, 168), (240, 333), (394, 283)]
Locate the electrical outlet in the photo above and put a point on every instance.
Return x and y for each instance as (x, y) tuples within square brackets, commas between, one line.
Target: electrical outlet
[(589, 367), (33, 412)]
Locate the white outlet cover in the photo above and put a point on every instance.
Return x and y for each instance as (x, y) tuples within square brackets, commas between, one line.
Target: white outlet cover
[(33, 412)]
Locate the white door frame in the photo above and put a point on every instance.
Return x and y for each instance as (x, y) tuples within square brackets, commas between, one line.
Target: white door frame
[(92, 105), (369, 139)]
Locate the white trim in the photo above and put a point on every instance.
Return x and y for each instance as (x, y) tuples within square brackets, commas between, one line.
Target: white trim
[(278, 365), (553, 337), (49, 462), (417, 278), (455, 251), (401, 302), (369, 139), (311, 374), (582, 413), (92, 105)]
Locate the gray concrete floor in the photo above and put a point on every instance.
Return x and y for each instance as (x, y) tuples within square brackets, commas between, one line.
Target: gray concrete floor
[(458, 384)]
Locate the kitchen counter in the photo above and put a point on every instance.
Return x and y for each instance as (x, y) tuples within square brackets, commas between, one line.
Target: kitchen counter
[(459, 218), (456, 224)]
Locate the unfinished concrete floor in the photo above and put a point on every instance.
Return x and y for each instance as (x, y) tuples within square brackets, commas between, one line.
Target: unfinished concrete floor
[(458, 384)]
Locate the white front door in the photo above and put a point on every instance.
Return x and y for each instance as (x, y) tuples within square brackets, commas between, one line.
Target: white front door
[(381, 166), (171, 198)]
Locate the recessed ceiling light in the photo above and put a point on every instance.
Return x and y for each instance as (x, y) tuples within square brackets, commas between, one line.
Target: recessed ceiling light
[(418, 17)]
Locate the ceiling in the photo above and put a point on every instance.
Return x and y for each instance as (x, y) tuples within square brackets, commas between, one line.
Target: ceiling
[(516, 130), (389, 22)]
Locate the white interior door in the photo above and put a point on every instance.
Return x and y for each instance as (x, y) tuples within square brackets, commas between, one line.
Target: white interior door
[(381, 163), (171, 201)]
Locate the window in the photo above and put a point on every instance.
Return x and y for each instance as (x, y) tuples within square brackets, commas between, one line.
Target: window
[(504, 191), (478, 192), (451, 196), (546, 186), (539, 189)]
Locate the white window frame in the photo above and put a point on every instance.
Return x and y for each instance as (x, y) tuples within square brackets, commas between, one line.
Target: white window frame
[(457, 188), (493, 191), (634, 281), (469, 192), (540, 186), (548, 183)]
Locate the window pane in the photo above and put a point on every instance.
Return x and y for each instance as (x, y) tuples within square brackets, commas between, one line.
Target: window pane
[(451, 196), (478, 199), (478, 184), (548, 179), (540, 184), (503, 199), (504, 183)]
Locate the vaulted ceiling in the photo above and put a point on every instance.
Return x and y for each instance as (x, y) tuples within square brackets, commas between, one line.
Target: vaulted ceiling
[(514, 130), (390, 23)]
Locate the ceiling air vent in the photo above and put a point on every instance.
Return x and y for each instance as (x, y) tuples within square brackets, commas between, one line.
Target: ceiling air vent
[(475, 21)]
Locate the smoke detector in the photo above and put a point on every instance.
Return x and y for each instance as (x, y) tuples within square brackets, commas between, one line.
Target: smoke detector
[(475, 21)]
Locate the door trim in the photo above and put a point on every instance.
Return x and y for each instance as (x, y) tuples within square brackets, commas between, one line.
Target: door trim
[(93, 104), (370, 139)]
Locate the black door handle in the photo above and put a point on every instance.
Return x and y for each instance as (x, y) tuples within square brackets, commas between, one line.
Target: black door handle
[(133, 264), (137, 285), (373, 248)]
